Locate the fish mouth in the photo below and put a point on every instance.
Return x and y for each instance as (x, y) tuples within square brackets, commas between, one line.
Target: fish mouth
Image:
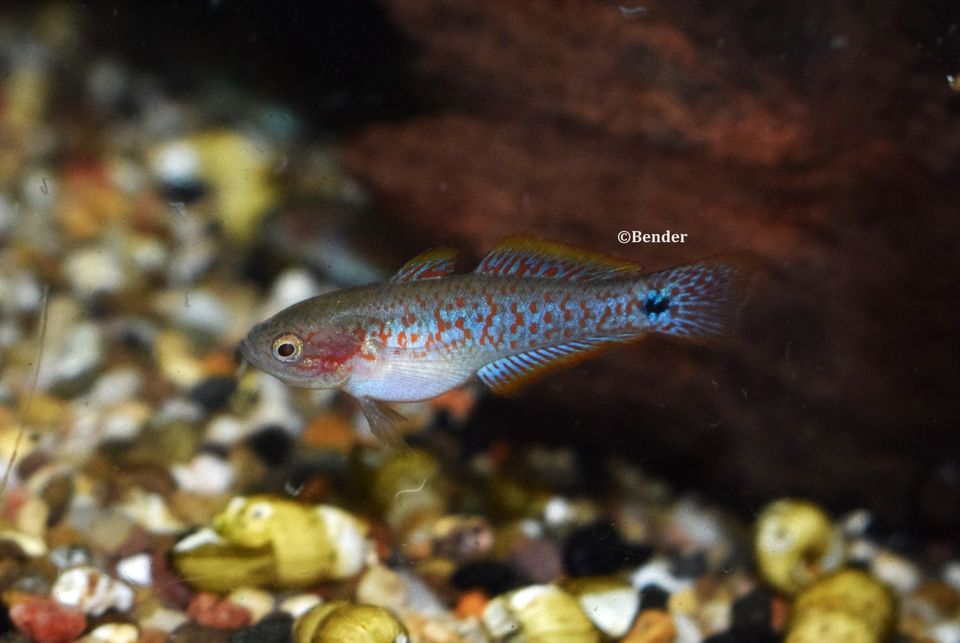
[(247, 352)]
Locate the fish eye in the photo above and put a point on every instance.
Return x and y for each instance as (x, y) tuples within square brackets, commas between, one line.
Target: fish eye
[(287, 348)]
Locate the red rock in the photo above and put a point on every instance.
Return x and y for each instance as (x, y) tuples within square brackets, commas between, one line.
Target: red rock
[(47, 621), (212, 611)]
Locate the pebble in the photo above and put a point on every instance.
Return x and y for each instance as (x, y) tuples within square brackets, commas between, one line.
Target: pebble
[(256, 601), (113, 633), (214, 392), (652, 626), (609, 602), (896, 571), (598, 549), (136, 569), (212, 611), (299, 604), (539, 614), (795, 542), (94, 271), (205, 474), (274, 628), (342, 621), (72, 362), (92, 591), (44, 619), (492, 577), (657, 572)]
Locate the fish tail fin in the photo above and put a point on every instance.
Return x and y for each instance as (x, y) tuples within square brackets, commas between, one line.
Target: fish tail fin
[(700, 301)]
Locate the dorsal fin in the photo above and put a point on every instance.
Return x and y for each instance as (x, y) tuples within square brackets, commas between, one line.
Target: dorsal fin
[(432, 264), (508, 374), (538, 259)]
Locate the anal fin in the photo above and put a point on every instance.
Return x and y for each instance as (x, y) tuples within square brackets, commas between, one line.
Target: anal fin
[(509, 374)]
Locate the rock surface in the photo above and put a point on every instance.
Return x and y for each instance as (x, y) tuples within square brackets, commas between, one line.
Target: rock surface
[(822, 138)]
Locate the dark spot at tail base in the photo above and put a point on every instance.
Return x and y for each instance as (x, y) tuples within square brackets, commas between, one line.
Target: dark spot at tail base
[(656, 303)]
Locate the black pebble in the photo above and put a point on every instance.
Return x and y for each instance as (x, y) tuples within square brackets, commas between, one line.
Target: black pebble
[(654, 597), (272, 444), (182, 191), (273, 628), (492, 577), (691, 566), (5, 623), (752, 609), (214, 392), (750, 622), (598, 549)]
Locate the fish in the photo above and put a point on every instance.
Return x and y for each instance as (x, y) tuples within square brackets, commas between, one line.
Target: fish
[(531, 306)]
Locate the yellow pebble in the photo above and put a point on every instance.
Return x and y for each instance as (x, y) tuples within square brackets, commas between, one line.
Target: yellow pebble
[(341, 621), (795, 542), (851, 592)]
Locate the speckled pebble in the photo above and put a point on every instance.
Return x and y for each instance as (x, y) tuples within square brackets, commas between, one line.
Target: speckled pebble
[(92, 591)]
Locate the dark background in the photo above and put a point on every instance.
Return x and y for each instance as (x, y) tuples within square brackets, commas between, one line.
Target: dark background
[(823, 136)]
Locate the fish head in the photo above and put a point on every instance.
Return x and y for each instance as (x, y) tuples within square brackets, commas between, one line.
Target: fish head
[(304, 346)]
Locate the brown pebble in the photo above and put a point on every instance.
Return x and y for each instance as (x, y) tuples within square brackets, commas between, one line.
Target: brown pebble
[(651, 626)]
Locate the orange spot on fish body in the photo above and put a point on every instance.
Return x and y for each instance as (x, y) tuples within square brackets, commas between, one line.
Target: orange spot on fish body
[(459, 323), (533, 307), (550, 272), (547, 317), (533, 328), (459, 302), (567, 332), (402, 339), (414, 337), (513, 344), (548, 297)]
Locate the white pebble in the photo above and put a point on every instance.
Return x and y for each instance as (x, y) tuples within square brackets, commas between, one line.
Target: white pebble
[(947, 632), (163, 619), (898, 572), (205, 474), (113, 633), (299, 604), (951, 573), (93, 271), (114, 386), (225, 429), (80, 353), (687, 630), (92, 591), (136, 570), (657, 572), (150, 511)]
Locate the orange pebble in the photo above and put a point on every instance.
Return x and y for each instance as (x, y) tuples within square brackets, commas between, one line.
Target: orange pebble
[(218, 364), (471, 604), (651, 626)]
